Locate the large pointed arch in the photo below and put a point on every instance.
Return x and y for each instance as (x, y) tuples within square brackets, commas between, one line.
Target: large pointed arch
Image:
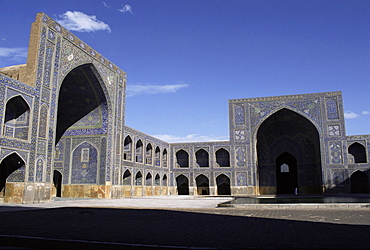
[(290, 132), (82, 102), (83, 111)]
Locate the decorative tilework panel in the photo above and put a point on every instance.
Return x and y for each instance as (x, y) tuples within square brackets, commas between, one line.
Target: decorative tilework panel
[(332, 109), (335, 153), (241, 180), (239, 115), (240, 157), (43, 121), (39, 170), (84, 172)]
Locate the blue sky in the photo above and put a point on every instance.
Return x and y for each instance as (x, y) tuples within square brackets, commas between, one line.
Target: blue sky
[(186, 58)]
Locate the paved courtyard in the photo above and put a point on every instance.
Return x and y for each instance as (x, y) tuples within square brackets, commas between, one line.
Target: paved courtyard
[(179, 222)]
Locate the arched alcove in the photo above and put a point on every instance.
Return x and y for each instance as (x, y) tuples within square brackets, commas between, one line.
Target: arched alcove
[(126, 179), (202, 184), (288, 135), (358, 152), (223, 157), (11, 169), (17, 116), (202, 158), (127, 148), (359, 183), (182, 158), (223, 185), (182, 185)]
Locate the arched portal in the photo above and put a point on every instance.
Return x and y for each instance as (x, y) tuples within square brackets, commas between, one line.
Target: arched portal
[(359, 183), (57, 180), (11, 169), (202, 184), (281, 138), (223, 185), (83, 113), (286, 174), (182, 185)]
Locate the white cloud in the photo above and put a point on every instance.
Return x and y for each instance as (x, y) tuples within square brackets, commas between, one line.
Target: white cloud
[(106, 5), (140, 89), (189, 138), (126, 8), (16, 54), (79, 21), (350, 115), (365, 112)]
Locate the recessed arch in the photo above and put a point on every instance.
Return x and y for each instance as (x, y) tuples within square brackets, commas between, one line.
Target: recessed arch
[(202, 184), (149, 154), (157, 180), (223, 185), (164, 157), (202, 158), (223, 157), (17, 118), (12, 169), (139, 151), (157, 156), (126, 179), (148, 179), (358, 151), (359, 183), (127, 148), (286, 131), (182, 185), (182, 158), (138, 179)]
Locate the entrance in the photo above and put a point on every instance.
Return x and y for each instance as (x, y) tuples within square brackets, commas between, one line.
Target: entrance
[(286, 174), (359, 183), (57, 180), (202, 185), (182, 185), (8, 166)]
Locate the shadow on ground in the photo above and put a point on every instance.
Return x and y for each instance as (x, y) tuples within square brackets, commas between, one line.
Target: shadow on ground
[(62, 228)]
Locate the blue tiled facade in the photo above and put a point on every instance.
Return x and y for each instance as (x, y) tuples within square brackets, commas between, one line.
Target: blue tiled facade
[(64, 111)]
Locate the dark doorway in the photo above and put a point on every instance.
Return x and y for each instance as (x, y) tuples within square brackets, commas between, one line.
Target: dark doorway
[(10, 164), (57, 180), (202, 185), (182, 185), (286, 174), (223, 185), (359, 183)]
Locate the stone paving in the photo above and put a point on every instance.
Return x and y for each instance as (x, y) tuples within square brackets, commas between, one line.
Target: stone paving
[(179, 222)]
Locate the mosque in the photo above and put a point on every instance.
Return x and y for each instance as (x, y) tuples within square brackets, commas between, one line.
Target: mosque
[(63, 134)]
